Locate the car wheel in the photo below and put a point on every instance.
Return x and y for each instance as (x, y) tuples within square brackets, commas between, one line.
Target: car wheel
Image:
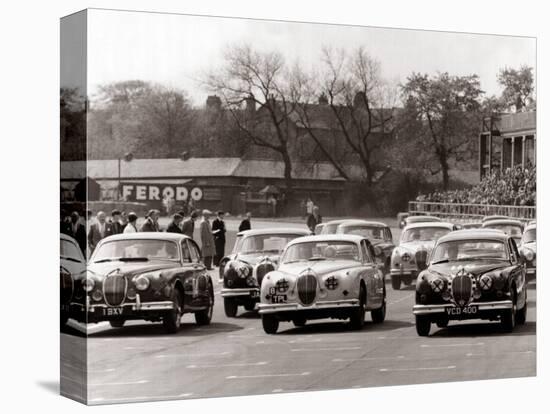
[(270, 324), (230, 307), (250, 306), (299, 321), (172, 319), (119, 323), (443, 323), (521, 314), (357, 319), (423, 325), (379, 315), (508, 317), (395, 282), (204, 316)]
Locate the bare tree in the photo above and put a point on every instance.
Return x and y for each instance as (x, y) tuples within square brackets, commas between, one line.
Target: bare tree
[(254, 88)]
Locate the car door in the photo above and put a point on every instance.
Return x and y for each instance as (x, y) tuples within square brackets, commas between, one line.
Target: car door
[(518, 272), (372, 276)]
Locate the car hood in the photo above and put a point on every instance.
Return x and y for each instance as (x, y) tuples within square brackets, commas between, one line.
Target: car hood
[(476, 267), (319, 267), (100, 270), (530, 246), (256, 258)]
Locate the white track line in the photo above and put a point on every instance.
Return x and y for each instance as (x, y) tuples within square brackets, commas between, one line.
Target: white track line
[(449, 345), (244, 364), (351, 348), (367, 359), (118, 383), (301, 374), (417, 369), (130, 399), (183, 354)]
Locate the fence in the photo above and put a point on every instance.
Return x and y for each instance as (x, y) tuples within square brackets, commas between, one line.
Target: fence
[(462, 211)]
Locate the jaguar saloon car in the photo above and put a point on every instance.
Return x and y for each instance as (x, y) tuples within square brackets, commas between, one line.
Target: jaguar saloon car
[(256, 253), (71, 270), (512, 227), (410, 257), (324, 276), (528, 249), (420, 219), (473, 274), (378, 233), (149, 276)]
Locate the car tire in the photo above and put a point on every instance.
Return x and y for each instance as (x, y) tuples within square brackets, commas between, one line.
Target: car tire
[(203, 317), (270, 324), (299, 321), (117, 323), (357, 318), (379, 315), (395, 282), (230, 307), (521, 314), (423, 325), (172, 319), (250, 306), (508, 317)]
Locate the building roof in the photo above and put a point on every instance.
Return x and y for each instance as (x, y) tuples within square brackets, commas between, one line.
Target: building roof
[(167, 168)]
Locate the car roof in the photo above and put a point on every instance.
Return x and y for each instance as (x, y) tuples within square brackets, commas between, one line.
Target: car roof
[(273, 230), (338, 222), (67, 237), (503, 221), (494, 217), (424, 224), (419, 218), (359, 222), (530, 227), (468, 234), (149, 235), (328, 237)]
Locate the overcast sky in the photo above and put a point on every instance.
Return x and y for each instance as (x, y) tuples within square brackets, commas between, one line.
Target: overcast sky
[(176, 49)]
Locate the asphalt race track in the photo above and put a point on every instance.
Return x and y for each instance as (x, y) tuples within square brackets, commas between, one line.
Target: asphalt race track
[(233, 356)]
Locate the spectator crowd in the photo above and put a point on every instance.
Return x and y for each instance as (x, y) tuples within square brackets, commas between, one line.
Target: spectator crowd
[(512, 187)]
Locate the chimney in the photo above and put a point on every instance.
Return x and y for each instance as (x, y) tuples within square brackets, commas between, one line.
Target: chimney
[(213, 102), (323, 100), (359, 99), (250, 105)]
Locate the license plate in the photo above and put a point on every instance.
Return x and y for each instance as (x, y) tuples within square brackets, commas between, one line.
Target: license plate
[(278, 298), (254, 293), (112, 311), (468, 310)]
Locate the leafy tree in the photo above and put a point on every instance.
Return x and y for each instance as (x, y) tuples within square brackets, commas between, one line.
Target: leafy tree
[(519, 88)]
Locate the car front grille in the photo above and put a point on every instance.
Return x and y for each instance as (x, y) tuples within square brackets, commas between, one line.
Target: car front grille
[(262, 270), (462, 289), (114, 289), (307, 288), (67, 286)]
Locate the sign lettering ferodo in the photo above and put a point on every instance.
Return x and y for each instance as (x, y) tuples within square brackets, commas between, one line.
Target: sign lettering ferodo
[(157, 192)]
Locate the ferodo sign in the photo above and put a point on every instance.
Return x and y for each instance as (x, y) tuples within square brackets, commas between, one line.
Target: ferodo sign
[(158, 192)]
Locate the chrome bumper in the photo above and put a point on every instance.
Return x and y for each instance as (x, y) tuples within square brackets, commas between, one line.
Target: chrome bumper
[(231, 293), (284, 307), (482, 306), (404, 272), (531, 270)]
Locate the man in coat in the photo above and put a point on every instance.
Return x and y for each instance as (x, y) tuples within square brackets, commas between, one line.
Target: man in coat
[(99, 230), (78, 231), (218, 230), (116, 222), (188, 227), (151, 222), (245, 224), (174, 226), (207, 239), (313, 219)]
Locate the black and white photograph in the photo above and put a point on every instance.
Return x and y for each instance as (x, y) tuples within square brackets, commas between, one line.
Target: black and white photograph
[(252, 206)]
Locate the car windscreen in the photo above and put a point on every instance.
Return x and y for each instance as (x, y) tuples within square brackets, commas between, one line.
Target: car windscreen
[(237, 244), (321, 250), (423, 234), (70, 250), (529, 236), (510, 229), (459, 250), (369, 232), (137, 248), (329, 228), (265, 243)]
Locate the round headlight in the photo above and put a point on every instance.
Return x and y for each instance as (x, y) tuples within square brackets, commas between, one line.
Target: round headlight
[(131, 294), (250, 281), (88, 284), (97, 295), (485, 282), (243, 271), (282, 285), (529, 254), (405, 257), (142, 282), (331, 283), (438, 285)]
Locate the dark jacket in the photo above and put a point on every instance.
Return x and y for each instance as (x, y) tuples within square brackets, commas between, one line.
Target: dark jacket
[(312, 221), (245, 225), (219, 225), (117, 227), (80, 236), (149, 226), (188, 227), (94, 235), (173, 228)]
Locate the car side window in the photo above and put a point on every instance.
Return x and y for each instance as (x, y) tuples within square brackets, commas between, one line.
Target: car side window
[(194, 252), (389, 236), (185, 253), (513, 250), (365, 252)]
